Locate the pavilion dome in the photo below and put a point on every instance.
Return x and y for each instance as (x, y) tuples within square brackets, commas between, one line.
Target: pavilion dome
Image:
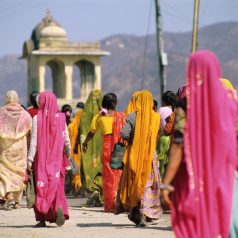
[(48, 29), (53, 32)]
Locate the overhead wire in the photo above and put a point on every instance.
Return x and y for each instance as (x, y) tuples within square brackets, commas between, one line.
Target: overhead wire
[(179, 15), (18, 11), (146, 45)]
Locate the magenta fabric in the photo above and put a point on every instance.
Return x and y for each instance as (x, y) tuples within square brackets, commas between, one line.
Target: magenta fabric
[(50, 161), (202, 200), (181, 92)]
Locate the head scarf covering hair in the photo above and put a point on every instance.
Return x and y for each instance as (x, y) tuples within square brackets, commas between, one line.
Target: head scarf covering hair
[(49, 167), (181, 93), (204, 204), (11, 97), (15, 121), (132, 103), (138, 158)]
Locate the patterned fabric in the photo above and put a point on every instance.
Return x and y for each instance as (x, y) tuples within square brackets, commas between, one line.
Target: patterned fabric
[(15, 121), (150, 202), (91, 161), (14, 127), (50, 162), (202, 200)]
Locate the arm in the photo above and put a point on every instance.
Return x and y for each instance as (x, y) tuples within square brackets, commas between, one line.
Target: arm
[(175, 159), (85, 143), (33, 144), (129, 126), (77, 143), (67, 146), (93, 129), (175, 155)]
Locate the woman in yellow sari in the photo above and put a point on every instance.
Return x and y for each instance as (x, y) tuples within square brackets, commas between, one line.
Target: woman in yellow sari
[(139, 188), (15, 127)]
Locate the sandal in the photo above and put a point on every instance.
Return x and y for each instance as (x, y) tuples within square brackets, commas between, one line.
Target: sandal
[(40, 224), (60, 220)]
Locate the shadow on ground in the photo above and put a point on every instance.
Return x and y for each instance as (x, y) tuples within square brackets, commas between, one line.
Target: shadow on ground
[(120, 226)]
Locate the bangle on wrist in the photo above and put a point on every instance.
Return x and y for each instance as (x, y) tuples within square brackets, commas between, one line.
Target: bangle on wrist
[(166, 186)]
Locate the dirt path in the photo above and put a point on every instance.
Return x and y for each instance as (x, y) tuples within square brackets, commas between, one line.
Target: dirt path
[(84, 222)]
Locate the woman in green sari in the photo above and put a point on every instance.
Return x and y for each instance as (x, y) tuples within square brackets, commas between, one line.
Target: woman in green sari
[(91, 162)]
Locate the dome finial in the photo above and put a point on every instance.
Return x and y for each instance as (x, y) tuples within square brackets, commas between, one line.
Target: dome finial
[(48, 17), (48, 12)]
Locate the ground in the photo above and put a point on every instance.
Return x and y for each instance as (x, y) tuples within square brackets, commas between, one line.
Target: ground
[(84, 222)]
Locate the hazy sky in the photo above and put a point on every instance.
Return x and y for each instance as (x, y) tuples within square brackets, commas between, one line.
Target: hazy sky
[(89, 20)]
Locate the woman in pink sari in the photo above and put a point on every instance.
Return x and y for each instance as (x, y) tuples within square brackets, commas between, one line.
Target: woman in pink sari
[(49, 150), (203, 154)]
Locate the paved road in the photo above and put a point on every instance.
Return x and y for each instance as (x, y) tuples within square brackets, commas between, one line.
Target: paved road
[(84, 222)]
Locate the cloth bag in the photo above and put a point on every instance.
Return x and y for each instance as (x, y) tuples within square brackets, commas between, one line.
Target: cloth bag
[(117, 156), (74, 166), (30, 191)]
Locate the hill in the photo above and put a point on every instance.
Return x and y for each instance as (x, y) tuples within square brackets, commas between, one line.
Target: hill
[(127, 70)]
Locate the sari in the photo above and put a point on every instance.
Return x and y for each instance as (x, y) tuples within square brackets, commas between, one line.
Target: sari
[(140, 179), (91, 161), (50, 161), (110, 177), (73, 132), (202, 199), (15, 126)]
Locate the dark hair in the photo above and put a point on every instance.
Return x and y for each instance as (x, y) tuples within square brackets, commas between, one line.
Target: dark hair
[(80, 105), (109, 101), (182, 103), (23, 106), (32, 98), (67, 110), (155, 106), (169, 99)]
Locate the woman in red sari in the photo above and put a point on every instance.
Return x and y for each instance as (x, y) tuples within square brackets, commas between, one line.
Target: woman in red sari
[(110, 123), (49, 150)]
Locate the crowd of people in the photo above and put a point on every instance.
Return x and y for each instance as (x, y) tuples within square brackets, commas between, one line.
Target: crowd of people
[(181, 157)]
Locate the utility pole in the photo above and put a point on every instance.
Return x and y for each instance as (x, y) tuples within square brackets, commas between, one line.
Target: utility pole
[(195, 25), (162, 57)]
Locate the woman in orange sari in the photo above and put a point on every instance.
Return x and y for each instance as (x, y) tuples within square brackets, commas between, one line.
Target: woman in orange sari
[(110, 123), (140, 179)]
